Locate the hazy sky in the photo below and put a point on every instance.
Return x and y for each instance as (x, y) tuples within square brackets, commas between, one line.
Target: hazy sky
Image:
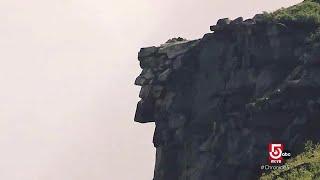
[(67, 68)]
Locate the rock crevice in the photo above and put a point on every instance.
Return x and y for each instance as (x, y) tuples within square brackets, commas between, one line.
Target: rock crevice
[(218, 101)]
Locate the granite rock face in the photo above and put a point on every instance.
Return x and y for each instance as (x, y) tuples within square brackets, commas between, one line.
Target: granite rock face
[(217, 102)]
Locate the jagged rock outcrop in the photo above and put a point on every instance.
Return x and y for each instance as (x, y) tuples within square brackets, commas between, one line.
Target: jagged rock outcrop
[(218, 101)]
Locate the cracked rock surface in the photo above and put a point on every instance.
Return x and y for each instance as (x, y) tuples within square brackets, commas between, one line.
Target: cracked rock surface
[(217, 102)]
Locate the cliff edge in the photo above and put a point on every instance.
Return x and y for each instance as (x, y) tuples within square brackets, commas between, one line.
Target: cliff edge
[(217, 102)]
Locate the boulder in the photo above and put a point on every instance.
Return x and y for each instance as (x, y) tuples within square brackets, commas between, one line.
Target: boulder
[(238, 20), (147, 74), (173, 40), (175, 49), (150, 62), (140, 81), (145, 111), (144, 78), (259, 18), (146, 52), (249, 22), (145, 91), (214, 28), (223, 22)]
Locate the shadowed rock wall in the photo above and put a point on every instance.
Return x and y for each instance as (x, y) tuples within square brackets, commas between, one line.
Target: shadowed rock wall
[(218, 101)]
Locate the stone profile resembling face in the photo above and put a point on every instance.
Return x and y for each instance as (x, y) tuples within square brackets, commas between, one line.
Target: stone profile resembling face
[(158, 64)]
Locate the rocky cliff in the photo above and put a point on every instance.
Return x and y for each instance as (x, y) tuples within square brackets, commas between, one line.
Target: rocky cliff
[(217, 102)]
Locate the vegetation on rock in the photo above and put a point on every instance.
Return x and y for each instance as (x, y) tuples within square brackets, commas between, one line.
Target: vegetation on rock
[(304, 166), (307, 13), (217, 101)]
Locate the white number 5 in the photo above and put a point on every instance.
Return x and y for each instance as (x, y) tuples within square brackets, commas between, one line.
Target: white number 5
[(276, 151)]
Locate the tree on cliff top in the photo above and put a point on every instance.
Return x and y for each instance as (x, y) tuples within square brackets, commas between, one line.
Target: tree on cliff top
[(307, 12)]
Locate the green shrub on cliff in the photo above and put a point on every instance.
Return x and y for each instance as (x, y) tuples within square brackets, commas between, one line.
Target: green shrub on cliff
[(307, 12), (317, 1), (314, 37), (304, 166)]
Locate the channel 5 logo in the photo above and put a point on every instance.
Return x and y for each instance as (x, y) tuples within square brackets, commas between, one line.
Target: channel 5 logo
[(277, 153)]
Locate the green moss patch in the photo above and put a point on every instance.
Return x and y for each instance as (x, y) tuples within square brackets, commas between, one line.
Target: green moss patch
[(305, 166)]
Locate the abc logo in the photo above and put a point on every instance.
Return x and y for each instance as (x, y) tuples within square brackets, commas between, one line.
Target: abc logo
[(286, 154)]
